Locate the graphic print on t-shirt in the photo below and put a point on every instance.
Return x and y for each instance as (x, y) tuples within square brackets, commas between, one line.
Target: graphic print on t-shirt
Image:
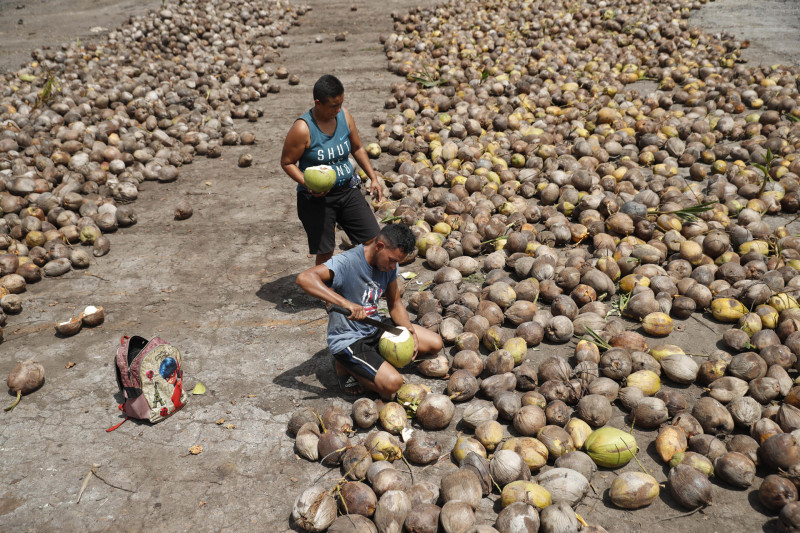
[(370, 298)]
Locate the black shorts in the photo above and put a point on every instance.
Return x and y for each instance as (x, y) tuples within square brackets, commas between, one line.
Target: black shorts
[(347, 207), (362, 357)]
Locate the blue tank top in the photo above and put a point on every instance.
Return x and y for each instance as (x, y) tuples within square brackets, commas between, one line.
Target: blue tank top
[(332, 150)]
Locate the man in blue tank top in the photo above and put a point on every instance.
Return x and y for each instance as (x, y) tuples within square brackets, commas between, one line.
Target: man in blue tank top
[(326, 135), (356, 280)]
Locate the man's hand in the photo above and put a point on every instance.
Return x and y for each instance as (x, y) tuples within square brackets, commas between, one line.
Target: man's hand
[(316, 194), (357, 311), (375, 188)]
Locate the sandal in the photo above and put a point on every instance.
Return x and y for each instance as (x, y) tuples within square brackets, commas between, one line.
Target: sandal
[(349, 385)]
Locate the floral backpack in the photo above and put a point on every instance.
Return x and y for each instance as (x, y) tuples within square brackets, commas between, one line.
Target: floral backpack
[(150, 378)]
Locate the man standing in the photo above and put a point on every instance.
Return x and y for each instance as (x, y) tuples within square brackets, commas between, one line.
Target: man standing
[(327, 135), (356, 280)]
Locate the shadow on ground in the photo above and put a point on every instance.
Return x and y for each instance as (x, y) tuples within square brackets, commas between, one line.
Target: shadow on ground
[(318, 368), (287, 296)]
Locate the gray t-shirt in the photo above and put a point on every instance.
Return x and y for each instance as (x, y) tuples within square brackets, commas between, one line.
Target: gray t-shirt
[(357, 281)]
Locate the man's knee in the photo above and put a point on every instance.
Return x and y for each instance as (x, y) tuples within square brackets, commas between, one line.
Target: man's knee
[(388, 380)]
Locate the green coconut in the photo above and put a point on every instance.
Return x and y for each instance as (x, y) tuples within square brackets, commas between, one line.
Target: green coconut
[(611, 447), (319, 178), (397, 349)]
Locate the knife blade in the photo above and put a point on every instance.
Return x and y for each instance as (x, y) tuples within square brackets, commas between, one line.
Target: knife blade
[(371, 321)]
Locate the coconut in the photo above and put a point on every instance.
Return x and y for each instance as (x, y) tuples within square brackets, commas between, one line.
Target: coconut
[(712, 416), (507, 466), (789, 518), (357, 498), (776, 491), (499, 362), (556, 440), (468, 360), (780, 451), (365, 413), (456, 516), (525, 491), (494, 385), (707, 445), (388, 479), (518, 517), (423, 519), (735, 469), (423, 492), (436, 367), (478, 411), (352, 523), (320, 178), (557, 413), (393, 417), (466, 445), (594, 409), (391, 512), (307, 441), (633, 490), (398, 349), (331, 448), (335, 418), (558, 518), (670, 440), (746, 445), (689, 487), (490, 434), (462, 485), (24, 378), (356, 462), (301, 417), (435, 411), (480, 466), (92, 316), (564, 485), (695, 460), (183, 210), (526, 376), (578, 431), (611, 447), (532, 451), (376, 468), (422, 449), (314, 510), (383, 446), (69, 327)]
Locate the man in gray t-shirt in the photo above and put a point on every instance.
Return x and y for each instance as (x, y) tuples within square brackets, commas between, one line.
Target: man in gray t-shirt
[(356, 280)]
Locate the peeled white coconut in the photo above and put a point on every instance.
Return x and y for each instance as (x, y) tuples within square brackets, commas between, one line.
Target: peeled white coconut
[(397, 349), (319, 178)]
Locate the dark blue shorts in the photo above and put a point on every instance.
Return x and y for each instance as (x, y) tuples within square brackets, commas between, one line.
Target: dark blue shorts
[(362, 357)]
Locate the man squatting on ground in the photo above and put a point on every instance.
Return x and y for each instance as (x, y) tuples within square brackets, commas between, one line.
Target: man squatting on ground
[(356, 280)]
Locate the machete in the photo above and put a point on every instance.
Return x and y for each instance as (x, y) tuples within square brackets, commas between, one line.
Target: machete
[(371, 321)]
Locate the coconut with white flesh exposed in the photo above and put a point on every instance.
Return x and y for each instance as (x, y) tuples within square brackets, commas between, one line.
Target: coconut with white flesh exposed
[(397, 349), (320, 178), (69, 327), (92, 316)]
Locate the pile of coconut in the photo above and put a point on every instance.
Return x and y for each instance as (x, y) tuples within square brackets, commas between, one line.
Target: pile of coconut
[(578, 174), (85, 124)]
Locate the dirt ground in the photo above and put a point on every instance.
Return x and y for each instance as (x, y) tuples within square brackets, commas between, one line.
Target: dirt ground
[(220, 286)]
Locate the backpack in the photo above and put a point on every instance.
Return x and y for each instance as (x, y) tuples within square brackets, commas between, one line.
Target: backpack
[(150, 378)]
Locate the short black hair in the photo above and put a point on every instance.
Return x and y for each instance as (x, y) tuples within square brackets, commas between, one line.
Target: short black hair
[(398, 236), (327, 87)]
